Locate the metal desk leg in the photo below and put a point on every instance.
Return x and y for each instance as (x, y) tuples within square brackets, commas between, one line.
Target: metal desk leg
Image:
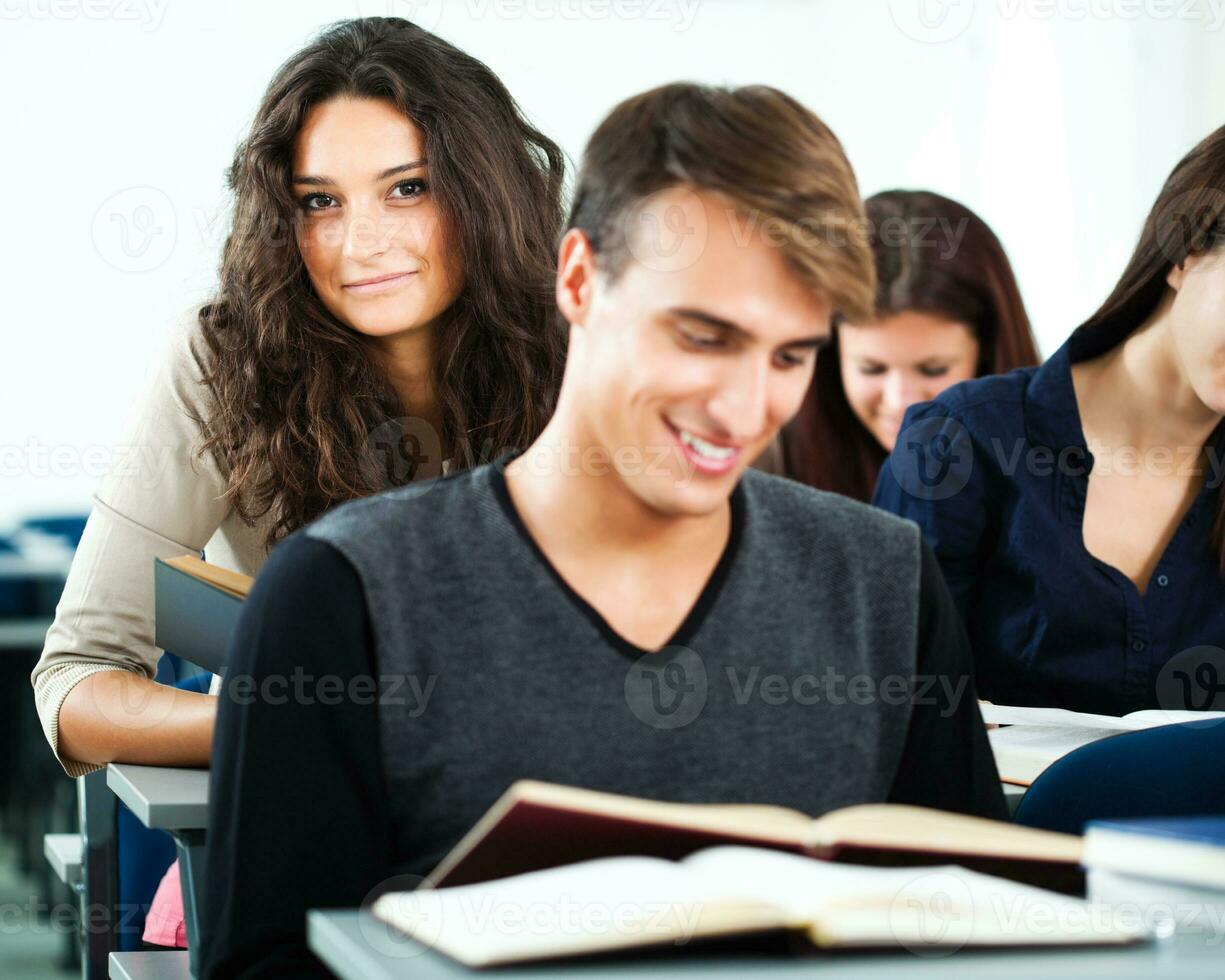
[(99, 874), (193, 850)]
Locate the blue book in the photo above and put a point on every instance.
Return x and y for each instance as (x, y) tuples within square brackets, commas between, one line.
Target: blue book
[(1187, 850)]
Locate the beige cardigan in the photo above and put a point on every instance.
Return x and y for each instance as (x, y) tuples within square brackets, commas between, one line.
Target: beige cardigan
[(164, 500)]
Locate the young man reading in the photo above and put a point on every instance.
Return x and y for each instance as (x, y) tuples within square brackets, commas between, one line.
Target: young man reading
[(624, 606)]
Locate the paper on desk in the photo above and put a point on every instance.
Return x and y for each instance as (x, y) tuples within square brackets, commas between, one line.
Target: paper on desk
[(1003, 714)]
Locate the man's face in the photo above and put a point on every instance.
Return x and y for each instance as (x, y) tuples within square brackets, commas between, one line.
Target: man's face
[(684, 367)]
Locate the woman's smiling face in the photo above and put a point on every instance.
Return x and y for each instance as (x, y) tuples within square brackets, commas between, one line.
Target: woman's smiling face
[(370, 232), (899, 361)]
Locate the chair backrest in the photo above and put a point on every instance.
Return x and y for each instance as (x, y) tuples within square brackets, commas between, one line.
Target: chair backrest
[(1174, 770)]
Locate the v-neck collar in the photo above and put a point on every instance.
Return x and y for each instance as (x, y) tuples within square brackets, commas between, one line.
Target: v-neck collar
[(693, 619)]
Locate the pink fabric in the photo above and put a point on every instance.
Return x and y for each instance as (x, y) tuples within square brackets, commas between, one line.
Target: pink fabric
[(164, 926)]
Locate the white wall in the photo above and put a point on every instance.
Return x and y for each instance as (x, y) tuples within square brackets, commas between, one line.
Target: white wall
[(1056, 119)]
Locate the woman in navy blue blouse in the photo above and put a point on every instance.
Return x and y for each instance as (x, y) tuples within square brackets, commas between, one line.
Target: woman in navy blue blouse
[(1076, 508)]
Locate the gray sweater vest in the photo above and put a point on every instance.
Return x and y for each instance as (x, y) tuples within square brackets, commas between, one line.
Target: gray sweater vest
[(789, 685)]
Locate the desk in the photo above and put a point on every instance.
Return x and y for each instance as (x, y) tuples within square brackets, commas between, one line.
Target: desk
[(149, 965), (162, 798), (176, 801), (63, 853), (339, 939)]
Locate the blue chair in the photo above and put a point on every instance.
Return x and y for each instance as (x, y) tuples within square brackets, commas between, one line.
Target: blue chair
[(69, 527), (1172, 771)]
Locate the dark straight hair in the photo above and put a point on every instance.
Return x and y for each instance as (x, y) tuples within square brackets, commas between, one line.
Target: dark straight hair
[(968, 280), (1188, 218)]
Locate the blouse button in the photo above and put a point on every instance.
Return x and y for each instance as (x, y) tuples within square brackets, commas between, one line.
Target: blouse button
[(1163, 580), (1137, 645)]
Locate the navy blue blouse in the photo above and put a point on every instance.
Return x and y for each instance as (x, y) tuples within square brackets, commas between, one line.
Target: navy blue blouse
[(995, 472)]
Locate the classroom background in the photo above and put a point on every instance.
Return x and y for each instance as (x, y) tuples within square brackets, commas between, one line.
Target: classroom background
[(1056, 121)]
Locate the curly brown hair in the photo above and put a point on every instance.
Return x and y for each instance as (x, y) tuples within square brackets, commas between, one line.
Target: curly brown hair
[(296, 394)]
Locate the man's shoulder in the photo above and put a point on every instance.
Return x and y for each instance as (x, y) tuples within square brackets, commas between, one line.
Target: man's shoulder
[(418, 516), (795, 509)]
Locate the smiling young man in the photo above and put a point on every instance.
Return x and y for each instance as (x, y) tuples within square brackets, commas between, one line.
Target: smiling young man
[(624, 605)]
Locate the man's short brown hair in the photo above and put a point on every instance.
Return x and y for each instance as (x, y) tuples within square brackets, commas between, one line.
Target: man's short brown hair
[(777, 164)]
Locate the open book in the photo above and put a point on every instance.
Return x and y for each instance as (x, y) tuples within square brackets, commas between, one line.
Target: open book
[(1037, 737), (195, 608), (536, 825), (627, 902)]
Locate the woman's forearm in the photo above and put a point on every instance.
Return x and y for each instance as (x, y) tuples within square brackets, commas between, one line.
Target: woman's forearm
[(120, 716)]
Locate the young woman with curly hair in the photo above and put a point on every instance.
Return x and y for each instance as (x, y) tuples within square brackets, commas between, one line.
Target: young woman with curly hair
[(384, 308)]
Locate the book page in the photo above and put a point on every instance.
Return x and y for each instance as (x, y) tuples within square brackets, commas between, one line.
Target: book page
[(897, 827), (934, 907), (1003, 714), (749, 819), (802, 886), (611, 903), (1022, 752), (1155, 717), (628, 902)]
